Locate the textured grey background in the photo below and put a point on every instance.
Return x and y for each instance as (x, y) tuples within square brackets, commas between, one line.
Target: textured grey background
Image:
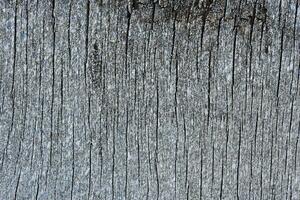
[(149, 100)]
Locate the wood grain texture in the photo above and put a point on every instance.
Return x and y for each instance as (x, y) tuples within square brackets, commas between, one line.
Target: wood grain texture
[(145, 99)]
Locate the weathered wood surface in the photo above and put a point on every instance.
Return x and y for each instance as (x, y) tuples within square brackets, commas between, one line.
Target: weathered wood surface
[(149, 99)]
